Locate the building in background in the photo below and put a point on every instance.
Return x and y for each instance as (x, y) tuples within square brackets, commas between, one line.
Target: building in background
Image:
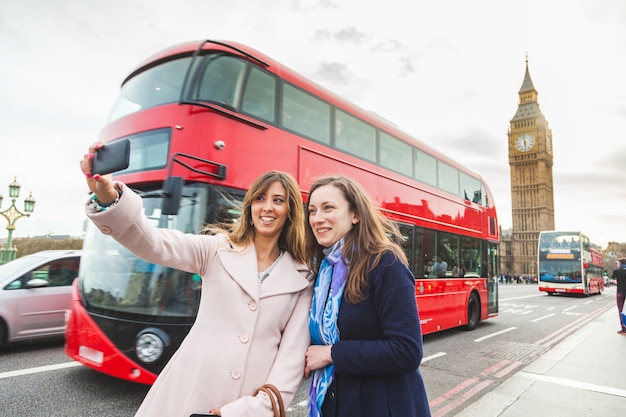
[(532, 186)]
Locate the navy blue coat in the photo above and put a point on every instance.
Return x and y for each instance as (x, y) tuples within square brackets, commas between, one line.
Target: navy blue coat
[(380, 348)]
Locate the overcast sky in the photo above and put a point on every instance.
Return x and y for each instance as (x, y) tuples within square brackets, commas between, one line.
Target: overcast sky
[(446, 72)]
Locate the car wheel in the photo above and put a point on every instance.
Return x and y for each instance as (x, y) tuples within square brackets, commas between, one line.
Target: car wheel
[(3, 332)]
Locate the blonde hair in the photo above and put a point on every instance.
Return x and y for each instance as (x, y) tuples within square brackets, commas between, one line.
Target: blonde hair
[(291, 238), (364, 244)]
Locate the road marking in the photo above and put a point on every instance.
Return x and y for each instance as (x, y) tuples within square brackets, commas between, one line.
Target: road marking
[(512, 366), (496, 367), (463, 398), (570, 308), (563, 332), (541, 318), (517, 298), (38, 369), (435, 356), (575, 384), (444, 397), (480, 339)]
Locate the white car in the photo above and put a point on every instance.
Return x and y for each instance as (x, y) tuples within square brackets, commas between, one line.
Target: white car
[(35, 294)]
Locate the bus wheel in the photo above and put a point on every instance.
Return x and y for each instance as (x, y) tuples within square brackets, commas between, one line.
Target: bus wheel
[(473, 312)]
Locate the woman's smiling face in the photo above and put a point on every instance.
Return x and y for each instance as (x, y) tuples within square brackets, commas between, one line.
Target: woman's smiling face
[(330, 216), (269, 211)]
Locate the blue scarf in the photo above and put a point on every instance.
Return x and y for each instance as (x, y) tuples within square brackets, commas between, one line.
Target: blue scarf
[(327, 295)]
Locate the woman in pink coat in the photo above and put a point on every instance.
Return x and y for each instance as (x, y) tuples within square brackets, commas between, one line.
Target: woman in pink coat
[(251, 327)]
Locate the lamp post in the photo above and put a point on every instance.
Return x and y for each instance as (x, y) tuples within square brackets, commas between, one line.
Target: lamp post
[(11, 214)]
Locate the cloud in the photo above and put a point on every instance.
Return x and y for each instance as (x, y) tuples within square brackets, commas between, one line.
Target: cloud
[(447, 73), (346, 35)]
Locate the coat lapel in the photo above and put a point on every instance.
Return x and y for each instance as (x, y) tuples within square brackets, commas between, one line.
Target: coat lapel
[(241, 265), (287, 277)]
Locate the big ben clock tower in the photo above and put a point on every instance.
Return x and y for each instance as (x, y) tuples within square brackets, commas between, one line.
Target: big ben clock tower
[(532, 189)]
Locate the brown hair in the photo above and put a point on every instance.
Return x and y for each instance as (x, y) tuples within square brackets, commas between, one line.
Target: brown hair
[(291, 238), (367, 240)]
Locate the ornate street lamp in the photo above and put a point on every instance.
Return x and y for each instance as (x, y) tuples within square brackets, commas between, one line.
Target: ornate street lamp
[(11, 214)]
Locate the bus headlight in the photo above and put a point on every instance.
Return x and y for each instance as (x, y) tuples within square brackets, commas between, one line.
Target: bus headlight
[(150, 344)]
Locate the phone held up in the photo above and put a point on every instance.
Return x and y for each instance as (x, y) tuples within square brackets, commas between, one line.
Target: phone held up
[(112, 157)]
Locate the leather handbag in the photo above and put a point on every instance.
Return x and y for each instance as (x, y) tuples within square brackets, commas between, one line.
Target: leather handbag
[(277, 400)]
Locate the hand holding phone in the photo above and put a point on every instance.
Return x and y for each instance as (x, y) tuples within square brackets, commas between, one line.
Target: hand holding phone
[(112, 157)]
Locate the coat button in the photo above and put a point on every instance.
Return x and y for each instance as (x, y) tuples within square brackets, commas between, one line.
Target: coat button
[(244, 338), (236, 374), (252, 306), (332, 395), (106, 230)]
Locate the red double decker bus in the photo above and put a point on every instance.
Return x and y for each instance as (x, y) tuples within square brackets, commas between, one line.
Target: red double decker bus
[(204, 119)]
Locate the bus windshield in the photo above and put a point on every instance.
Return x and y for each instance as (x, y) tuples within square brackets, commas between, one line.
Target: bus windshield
[(124, 286), (560, 271), (154, 87)]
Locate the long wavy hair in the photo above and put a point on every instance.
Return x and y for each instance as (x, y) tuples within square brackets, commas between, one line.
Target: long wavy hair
[(364, 244), (291, 238)]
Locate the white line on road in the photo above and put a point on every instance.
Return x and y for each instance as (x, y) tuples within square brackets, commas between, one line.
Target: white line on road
[(517, 298), (39, 369), (480, 339), (435, 356), (575, 384), (541, 318)]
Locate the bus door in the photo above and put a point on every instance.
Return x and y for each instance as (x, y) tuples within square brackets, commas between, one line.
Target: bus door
[(492, 278)]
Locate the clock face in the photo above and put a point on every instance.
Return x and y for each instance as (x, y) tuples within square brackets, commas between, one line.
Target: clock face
[(525, 142), (549, 142)]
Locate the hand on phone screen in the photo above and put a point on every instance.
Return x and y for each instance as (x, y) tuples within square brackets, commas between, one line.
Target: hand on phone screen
[(112, 157)]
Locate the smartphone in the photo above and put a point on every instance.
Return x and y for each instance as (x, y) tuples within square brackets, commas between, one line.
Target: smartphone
[(112, 157)]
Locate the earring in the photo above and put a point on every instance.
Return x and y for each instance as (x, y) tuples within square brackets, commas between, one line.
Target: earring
[(251, 222)]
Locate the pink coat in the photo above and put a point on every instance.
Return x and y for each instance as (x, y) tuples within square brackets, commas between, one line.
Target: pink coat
[(245, 334)]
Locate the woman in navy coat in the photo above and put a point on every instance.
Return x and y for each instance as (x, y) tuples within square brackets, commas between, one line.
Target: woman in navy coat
[(364, 324)]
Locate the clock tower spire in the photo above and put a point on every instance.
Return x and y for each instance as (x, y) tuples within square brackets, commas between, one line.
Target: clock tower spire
[(532, 188)]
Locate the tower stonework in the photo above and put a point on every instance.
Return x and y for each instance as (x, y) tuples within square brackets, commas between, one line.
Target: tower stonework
[(532, 189)]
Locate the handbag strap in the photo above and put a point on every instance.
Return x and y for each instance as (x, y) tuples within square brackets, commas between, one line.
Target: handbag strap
[(275, 398)]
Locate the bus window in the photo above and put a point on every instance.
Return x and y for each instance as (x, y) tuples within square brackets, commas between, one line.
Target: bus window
[(471, 189), (586, 243), (396, 155), (306, 115), (470, 255), (425, 240), (448, 249), (150, 150), (447, 178), (220, 81), (154, 87), (425, 168), (407, 244), (355, 136), (259, 97)]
